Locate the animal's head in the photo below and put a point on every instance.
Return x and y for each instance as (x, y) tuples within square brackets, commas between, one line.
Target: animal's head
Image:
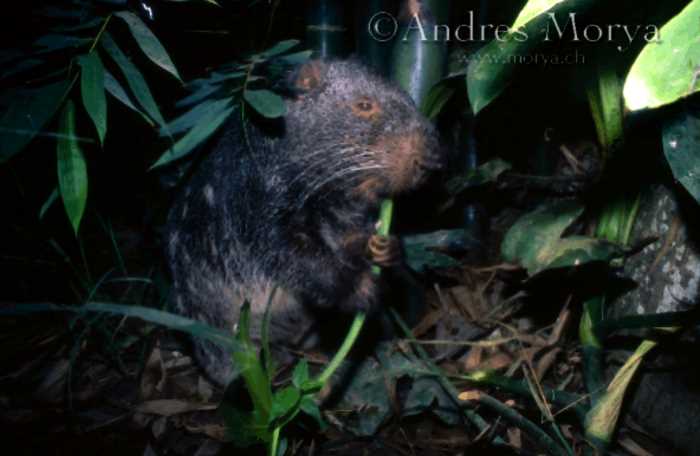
[(360, 128)]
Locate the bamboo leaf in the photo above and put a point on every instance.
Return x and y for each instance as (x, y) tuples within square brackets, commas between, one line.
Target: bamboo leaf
[(72, 169), (196, 116), (149, 43), (203, 130), (92, 88), (137, 83), (279, 48), (266, 103), (114, 88), (28, 115)]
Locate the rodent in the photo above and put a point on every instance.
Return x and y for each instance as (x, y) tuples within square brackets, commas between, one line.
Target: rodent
[(293, 207)]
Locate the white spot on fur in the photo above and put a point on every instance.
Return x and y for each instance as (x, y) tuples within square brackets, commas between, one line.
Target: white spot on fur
[(209, 195), (172, 244)]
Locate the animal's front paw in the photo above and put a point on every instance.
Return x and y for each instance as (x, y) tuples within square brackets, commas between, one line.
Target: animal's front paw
[(385, 251)]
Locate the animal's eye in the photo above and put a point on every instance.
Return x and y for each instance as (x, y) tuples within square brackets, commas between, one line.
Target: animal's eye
[(364, 106)]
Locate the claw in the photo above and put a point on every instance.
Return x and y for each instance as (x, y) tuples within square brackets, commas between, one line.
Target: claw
[(385, 251)]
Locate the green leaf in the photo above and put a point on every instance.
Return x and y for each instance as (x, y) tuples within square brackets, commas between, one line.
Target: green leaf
[(28, 115), (92, 88), (285, 403), (301, 374), (309, 406), (602, 420), (424, 251), (667, 69), (117, 91), (247, 361), (266, 103), (167, 319), (208, 125), (49, 202), (296, 58), (605, 100), (277, 49), (195, 116), (54, 42), (493, 67), (535, 240), (137, 83), (532, 9), (436, 100), (72, 170), (681, 138), (484, 174), (149, 43)]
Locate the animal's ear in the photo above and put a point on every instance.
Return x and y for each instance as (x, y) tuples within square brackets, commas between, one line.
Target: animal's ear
[(310, 76)]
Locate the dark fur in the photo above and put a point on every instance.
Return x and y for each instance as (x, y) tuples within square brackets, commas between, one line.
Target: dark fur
[(294, 208)]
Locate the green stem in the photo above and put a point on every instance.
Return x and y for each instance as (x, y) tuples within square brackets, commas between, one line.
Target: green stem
[(528, 426), (275, 442), (342, 353)]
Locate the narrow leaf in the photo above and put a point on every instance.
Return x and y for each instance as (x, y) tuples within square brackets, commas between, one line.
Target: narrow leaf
[(149, 43), (195, 116), (27, 115), (203, 130), (137, 83), (92, 88), (49, 202), (72, 170), (279, 48), (117, 91)]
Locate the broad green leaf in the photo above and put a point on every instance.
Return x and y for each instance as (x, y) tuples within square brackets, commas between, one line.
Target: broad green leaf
[(309, 406), (484, 174), (300, 374), (117, 91), (208, 125), (681, 137), (266, 103), (424, 251), (667, 68), (241, 427), (285, 402), (493, 67), (28, 115), (279, 48), (72, 169), (137, 83), (532, 9), (257, 381), (535, 240), (92, 88), (602, 420), (436, 100), (149, 43)]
